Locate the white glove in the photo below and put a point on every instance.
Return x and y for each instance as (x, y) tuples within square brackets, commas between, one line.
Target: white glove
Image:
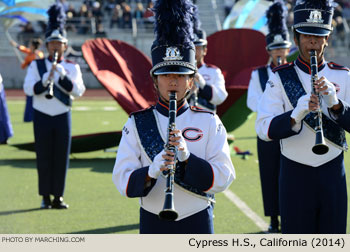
[(45, 79), (158, 162), (302, 108), (61, 71), (331, 98), (182, 151), (199, 80)]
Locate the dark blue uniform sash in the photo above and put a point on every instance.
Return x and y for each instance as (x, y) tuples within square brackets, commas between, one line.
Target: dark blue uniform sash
[(263, 77), (294, 90), (153, 144), (58, 93)]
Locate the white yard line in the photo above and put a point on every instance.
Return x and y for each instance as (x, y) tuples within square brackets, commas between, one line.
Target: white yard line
[(246, 210)]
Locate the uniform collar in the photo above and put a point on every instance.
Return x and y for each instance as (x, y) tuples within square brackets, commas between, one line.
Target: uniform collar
[(305, 67), (163, 108), (51, 59)]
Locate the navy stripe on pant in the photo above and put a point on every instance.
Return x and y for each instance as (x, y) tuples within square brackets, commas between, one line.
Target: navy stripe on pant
[(313, 200), (52, 145), (199, 223), (269, 165)]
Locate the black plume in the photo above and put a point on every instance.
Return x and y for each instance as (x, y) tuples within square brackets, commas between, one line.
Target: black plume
[(173, 22), (316, 4), (276, 18), (196, 22), (57, 17)]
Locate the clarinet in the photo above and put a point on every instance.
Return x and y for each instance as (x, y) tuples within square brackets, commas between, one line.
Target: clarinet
[(279, 60), (169, 213), (51, 80), (320, 146)]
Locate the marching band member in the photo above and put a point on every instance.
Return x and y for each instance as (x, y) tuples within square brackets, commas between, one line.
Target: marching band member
[(203, 164), (5, 124), (278, 45), (209, 90), (52, 113), (313, 194)]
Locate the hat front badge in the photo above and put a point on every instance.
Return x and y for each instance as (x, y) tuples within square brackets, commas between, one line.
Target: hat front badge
[(172, 53), (315, 17)]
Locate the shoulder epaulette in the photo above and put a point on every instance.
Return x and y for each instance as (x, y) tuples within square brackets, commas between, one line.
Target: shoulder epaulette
[(335, 66), (211, 66), (198, 109), (290, 64), (141, 111)]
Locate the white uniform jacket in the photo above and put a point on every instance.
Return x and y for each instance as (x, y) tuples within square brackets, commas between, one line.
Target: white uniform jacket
[(72, 85), (214, 92), (209, 166), (274, 110), (254, 89)]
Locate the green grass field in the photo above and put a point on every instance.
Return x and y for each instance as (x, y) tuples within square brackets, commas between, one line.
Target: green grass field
[(96, 207)]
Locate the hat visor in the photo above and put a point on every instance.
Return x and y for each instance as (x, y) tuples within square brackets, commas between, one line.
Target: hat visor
[(316, 31), (173, 70), (284, 45), (61, 39), (200, 43)]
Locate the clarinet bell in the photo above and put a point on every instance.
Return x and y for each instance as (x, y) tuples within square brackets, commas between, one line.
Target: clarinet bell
[(320, 146), (168, 213)]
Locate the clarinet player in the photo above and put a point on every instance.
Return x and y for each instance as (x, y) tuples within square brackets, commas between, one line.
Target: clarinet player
[(203, 164), (313, 194), (52, 113)]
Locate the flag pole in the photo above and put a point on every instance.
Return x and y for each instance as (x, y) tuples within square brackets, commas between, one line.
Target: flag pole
[(8, 36)]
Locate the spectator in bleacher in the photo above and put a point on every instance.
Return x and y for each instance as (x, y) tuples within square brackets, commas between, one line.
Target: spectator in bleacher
[(100, 31), (127, 15), (148, 16), (116, 17), (71, 19), (97, 13), (84, 15), (339, 23), (109, 7), (138, 13)]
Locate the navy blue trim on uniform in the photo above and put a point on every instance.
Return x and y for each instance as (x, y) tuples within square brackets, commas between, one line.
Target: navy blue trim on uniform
[(335, 66), (305, 67), (199, 173), (263, 77), (39, 88), (294, 90), (200, 110), (280, 127), (206, 92), (136, 184), (66, 83), (163, 108), (343, 118), (282, 67)]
